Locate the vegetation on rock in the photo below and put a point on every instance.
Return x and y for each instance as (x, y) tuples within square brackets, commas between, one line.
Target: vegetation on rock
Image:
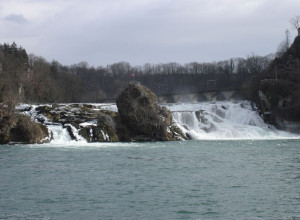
[(279, 89), (141, 117), (18, 128), (29, 132)]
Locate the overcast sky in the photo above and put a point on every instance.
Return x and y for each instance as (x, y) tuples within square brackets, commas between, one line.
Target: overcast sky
[(103, 32)]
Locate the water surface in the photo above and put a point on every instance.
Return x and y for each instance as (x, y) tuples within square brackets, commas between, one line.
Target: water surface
[(238, 179)]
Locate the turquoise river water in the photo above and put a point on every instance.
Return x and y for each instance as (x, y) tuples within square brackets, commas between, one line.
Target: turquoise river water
[(196, 179)]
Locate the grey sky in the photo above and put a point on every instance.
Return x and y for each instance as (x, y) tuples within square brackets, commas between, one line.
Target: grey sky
[(103, 32)]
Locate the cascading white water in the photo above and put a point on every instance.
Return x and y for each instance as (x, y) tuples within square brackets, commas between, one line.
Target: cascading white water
[(60, 134), (223, 120), (218, 120)]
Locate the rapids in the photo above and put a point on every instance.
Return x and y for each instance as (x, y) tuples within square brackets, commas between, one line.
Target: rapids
[(222, 120)]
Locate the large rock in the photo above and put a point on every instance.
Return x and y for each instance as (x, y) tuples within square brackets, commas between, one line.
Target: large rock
[(141, 118), (22, 129)]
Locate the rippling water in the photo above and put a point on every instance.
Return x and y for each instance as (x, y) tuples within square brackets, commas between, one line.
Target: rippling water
[(165, 180)]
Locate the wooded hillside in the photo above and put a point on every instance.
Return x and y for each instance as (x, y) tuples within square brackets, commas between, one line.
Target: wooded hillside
[(32, 79)]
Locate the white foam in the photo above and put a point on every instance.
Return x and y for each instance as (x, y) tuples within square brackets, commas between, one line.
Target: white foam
[(61, 135), (224, 120)]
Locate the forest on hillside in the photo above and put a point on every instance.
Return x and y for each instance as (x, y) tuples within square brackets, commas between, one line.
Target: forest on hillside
[(28, 78)]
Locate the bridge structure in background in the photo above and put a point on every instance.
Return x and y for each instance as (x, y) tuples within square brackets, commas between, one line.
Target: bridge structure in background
[(203, 96)]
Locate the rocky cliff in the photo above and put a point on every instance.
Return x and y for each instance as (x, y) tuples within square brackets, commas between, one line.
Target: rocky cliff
[(279, 90)]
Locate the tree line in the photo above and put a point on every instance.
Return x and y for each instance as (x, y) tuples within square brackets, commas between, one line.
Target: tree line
[(32, 79)]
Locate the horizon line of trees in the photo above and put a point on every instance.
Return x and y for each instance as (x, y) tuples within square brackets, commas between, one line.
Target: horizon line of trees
[(32, 79)]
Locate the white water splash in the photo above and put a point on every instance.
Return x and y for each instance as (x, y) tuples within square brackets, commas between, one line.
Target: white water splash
[(61, 135), (224, 120)]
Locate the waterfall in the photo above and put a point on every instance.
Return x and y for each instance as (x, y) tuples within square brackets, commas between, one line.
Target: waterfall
[(60, 134), (223, 120), (202, 120)]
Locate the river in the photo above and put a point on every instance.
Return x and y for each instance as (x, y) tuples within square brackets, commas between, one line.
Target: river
[(236, 167), (195, 179)]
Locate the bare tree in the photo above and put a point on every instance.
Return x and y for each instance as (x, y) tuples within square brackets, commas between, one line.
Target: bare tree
[(295, 22)]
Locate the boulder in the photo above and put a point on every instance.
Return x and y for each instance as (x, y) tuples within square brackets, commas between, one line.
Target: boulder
[(29, 132), (22, 129), (141, 118)]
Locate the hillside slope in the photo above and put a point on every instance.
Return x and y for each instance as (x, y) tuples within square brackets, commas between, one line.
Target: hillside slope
[(279, 90)]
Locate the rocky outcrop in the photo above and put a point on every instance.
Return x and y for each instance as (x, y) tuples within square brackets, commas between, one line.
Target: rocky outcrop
[(29, 132), (81, 120), (17, 128), (279, 90), (138, 118), (282, 112), (104, 131), (141, 118)]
